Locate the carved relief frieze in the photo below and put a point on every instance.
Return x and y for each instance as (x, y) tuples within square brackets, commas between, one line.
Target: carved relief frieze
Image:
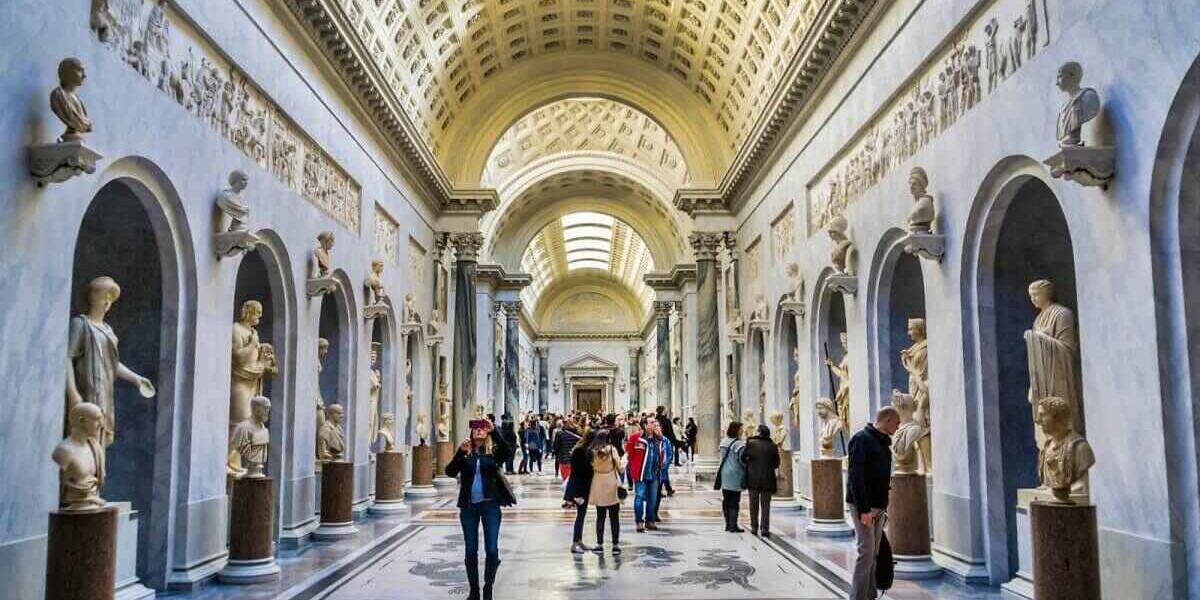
[(783, 235), (991, 49), (416, 268), (387, 235), (169, 53)]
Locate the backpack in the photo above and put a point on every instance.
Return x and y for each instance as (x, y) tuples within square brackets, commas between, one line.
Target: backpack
[(885, 565)]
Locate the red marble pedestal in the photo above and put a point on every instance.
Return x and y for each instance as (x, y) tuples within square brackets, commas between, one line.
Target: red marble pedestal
[(337, 501), (829, 504), (81, 555), (908, 528), (389, 483), (251, 543), (1066, 551)]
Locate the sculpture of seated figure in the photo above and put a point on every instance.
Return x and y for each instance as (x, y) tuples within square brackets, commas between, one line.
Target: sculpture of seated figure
[(331, 441), (251, 438), (320, 279), (80, 459), (1066, 456), (385, 432)]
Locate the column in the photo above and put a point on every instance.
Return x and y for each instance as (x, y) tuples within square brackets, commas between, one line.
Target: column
[(662, 322), (543, 379), (466, 248), (635, 391), (512, 364), (705, 246)]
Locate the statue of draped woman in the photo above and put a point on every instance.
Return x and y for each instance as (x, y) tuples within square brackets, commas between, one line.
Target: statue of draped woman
[(915, 359), (1053, 351), (252, 361)]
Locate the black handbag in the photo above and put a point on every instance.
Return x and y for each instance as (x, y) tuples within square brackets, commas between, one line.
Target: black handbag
[(885, 565), (724, 457), (504, 489), (622, 493)]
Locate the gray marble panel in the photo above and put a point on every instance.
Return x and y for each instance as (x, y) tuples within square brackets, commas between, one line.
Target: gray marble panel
[(202, 534), (23, 568), (664, 387), (708, 356)]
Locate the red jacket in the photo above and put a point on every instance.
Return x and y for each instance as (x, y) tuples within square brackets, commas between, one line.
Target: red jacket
[(635, 449)]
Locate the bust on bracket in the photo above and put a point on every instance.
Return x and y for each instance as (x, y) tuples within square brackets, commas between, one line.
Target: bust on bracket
[(921, 240)]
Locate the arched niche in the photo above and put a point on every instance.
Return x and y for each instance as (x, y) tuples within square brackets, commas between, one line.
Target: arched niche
[(138, 237), (756, 382), (384, 349), (415, 374), (896, 295), (336, 381), (828, 325), (264, 275), (787, 367), (1017, 234)]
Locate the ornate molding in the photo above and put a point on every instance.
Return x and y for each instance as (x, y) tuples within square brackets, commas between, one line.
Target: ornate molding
[(671, 280), (706, 245), (662, 310), (502, 280), (466, 245)]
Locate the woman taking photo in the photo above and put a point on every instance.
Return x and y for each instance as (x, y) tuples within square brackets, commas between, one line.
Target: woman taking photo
[(607, 465), (731, 476), (482, 490), (579, 486)]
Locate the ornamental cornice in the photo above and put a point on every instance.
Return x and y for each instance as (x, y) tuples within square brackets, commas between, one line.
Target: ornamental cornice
[(671, 280)]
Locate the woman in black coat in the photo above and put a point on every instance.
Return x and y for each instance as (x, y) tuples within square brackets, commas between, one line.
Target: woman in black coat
[(761, 458), (690, 433), (481, 492), (579, 486)]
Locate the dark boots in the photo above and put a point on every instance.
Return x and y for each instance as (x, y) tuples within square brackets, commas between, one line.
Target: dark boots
[(473, 579), (489, 577)]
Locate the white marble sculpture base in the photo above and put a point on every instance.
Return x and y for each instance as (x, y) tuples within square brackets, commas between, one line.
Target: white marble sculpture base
[(232, 243), (61, 161), (444, 485), (250, 571), (375, 311), (916, 567), (321, 285), (843, 283), (420, 491), (333, 531), (1085, 165), (786, 504), (928, 246), (388, 507), (705, 468), (829, 528), (128, 587)]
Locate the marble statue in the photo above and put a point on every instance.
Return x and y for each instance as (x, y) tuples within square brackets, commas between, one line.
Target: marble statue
[(385, 433), (499, 338), (235, 213), (411, 315), (331, 440), (374, 284), (1053, 350), (252, 362), (731, 403), (322, 266), (1082, 105), (735, 322), (842, 373), (778, 431), (1065, 456), (374, 387), (915, 359), (322, 352), (905, 455), (436, 323), (65, 103), (794, 401), (93, 362), (422, 428), (830, 427), (748, 417), (920, 219), (443, 416), (840, 255), (80, 458), (760, 309), (251, 438)]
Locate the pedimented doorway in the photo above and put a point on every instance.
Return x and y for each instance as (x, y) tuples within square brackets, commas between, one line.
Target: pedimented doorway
[(589, 399), (589, 382)]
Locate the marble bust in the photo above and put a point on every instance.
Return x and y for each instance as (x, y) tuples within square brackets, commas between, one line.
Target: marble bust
[(840, 254), (385, 433), (905, 455), (374, 284), (65, 103), (827, 415), (436, 322), (251, 438), (323, 256), (1053, 352), (93, 361), (778, 431), (234, 211), (1066, 456), (80, 459), (1082, 105), (331, 440), (920, 219)]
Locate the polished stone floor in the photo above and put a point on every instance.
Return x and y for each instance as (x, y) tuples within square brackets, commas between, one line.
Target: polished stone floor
[(419, 557)]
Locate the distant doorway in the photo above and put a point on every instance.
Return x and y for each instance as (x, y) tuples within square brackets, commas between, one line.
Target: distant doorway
[(589, 400)]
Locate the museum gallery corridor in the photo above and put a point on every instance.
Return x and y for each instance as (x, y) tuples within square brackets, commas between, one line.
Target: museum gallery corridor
[(283, 279)]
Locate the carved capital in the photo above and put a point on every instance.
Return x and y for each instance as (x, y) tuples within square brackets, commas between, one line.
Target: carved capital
[(466, 245), (662, 310), (512, 310), (707, 244), (635, 351)]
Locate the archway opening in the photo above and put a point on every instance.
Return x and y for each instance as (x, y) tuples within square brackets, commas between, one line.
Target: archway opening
[(904, 300), (118, 238), (831, 333), (788, 368)]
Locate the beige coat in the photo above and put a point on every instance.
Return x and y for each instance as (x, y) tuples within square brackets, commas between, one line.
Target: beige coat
[(607, 466)]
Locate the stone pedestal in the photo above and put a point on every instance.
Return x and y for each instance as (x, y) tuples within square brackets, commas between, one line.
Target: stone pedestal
[(251, 519), (422, 475), (81, 555), (829, 504), (1020, 587), (389, 483), (129, 587), (908, 528), (443, 484), (337, 501), (785, 497), (1066, 551)]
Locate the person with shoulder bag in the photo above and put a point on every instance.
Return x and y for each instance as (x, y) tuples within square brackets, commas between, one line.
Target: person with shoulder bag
[(731, 476), (868, 482), (607, 492), (579, 485), (761, 459), (482, 491)]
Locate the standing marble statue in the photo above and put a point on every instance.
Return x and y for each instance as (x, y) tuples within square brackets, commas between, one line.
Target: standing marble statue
[(1082, 105), (920, 219), (422, 429), (80, 459), (93, 362), (841, 372), (411, 315), (794, 402), (331, 440), (252, 362), (905, 455), (1053, 350), (1065, 456), (65, 103), (251, 438), (322, 352), (827, 415), (915, 359), (322, 266), (778, 431), (375, 385), (499, 338), (385, 433), (732, 401), (443, 416)]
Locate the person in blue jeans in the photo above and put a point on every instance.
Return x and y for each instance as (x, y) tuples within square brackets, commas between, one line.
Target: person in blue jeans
[(647, 462), (481, 493)]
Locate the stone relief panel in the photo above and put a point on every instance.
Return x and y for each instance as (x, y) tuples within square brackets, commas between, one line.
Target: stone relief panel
[(783, 235), (416, 268), (170, 54), (387, 235), (993, 47), (753, 271), (589, 312)]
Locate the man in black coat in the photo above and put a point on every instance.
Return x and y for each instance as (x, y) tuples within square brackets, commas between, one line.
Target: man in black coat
[(761, 458), (867, 484)]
